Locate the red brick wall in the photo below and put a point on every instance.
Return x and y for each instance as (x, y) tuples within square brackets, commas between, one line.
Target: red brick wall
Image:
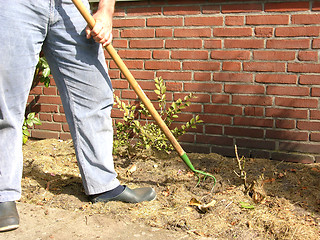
[(254, 67)]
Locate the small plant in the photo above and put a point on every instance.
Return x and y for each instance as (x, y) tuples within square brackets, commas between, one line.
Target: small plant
[(42, 72), (29, 122), (255, 188), (131, 133)]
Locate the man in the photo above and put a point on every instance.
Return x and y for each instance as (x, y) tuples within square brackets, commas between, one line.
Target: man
[(75, 55)]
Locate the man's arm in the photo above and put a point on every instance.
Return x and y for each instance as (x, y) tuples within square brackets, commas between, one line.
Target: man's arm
[(102, 31)]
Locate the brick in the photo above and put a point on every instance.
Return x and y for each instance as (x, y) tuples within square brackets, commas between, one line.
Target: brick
[(305, 19), (44, 134), (135, 54), (315, 136), (198, 32), (264, 66), (49, 126), (146, 43), (45, 117), (203, 21), (314, 114), (49, 99), (230, 55), (288, 91), (202, 87), (223, 109), (308, 56), (286, 124), (36, 90), (267, 19), (265, 32), (120, 84), (286, 6), (252, 100), (194, 54), (174, 86), (234, 20), (183, 76), (201, 66), (213, 129), (181, 10), (286, 113), (252, 122), (120, 43), (161, 65), (202, 76), (288, 43), (164, 32), (212, 44), (309, 79), (239, 8), (243, 43), (231, 66), (316, 43), (190, 43), (50, 91), (304, 31), (233, 32), (137, 33), (291, 157), (315, 92), (127, 22), (220, 98), (276, 78), (244, 89), (161, 54), (65, 136), (308, 125), (165, 22), (304, 67), (286, 134), (59, 118), (244, 132), (233, 77), (65, 128), (274, 55), (296, 102)]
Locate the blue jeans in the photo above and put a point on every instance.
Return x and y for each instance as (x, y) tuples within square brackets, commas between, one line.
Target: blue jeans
[(80, 72)]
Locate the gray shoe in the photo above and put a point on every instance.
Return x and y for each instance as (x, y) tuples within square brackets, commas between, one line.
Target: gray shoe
[(128, 196), (9, 218)]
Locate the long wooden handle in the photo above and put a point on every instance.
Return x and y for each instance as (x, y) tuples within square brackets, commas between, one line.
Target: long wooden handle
[(132, 81)]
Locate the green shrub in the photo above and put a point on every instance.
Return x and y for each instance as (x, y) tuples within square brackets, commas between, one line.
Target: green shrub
[(29, 122), (132, 134)]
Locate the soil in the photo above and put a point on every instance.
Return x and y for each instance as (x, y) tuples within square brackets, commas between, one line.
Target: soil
[(282, 203)]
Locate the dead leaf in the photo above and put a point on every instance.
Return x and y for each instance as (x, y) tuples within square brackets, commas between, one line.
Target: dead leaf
[(194, 202), (132, 169), (202, 207)]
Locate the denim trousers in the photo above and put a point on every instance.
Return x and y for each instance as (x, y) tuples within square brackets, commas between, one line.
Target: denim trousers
[(80, 72)]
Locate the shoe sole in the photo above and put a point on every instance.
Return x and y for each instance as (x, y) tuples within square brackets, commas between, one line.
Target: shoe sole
[(8, 228)]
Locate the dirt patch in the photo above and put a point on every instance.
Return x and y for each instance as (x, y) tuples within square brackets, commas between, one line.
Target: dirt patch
[(289, 210)]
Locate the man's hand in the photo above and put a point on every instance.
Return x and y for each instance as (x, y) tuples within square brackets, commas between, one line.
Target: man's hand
[(102, 30)]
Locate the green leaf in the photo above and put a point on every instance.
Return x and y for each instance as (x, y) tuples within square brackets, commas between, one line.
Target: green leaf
[(246, 205)]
